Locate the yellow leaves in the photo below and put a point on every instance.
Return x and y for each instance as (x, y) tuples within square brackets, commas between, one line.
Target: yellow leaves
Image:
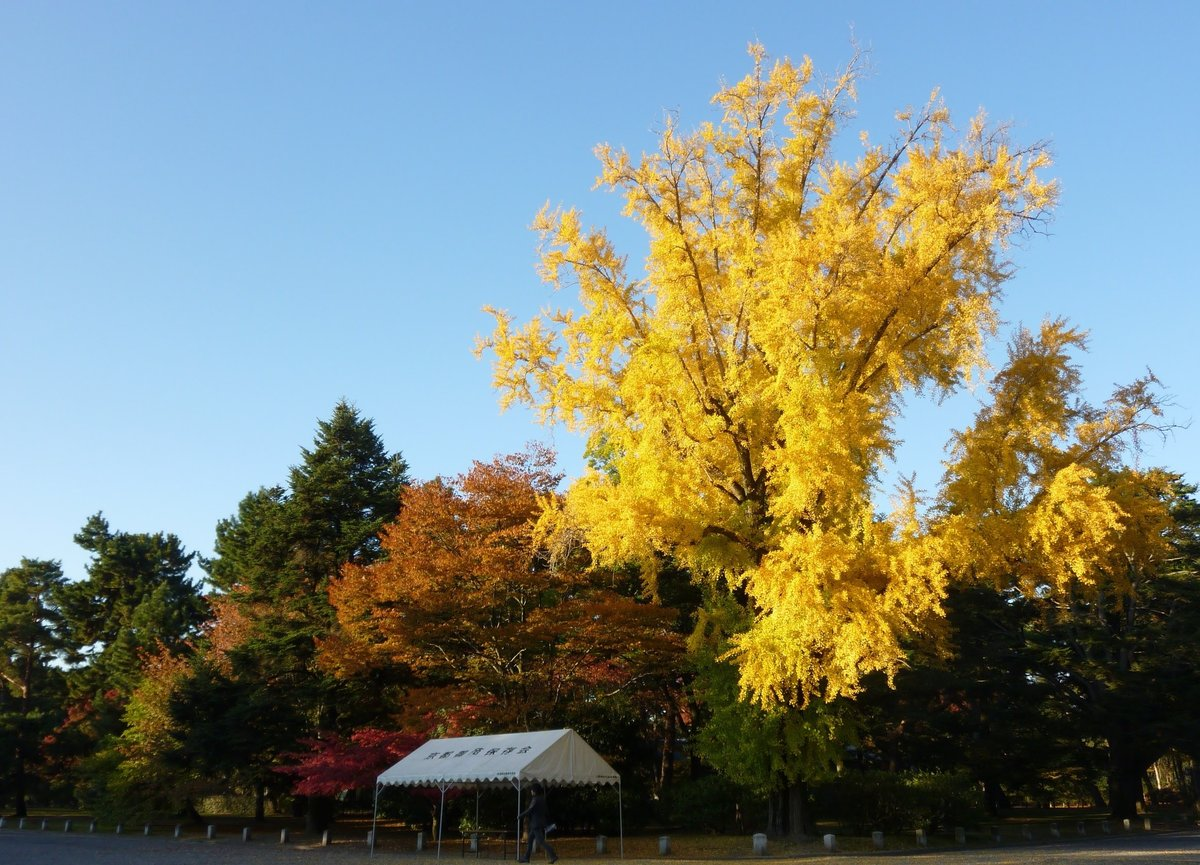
[(1073, 526), (744, 389), (833, 610)]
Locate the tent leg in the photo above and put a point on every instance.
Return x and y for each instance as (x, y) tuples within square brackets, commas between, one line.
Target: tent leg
[(374, 818), (441, 821), (517, 836), (621, 819)]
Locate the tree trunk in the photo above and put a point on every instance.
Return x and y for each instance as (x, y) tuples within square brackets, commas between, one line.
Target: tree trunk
[(666, 769), (1124, 778), (994, 797), (319, 814), (787, 811)]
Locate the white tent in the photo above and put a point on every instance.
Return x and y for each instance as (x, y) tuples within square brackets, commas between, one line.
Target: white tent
[(556, 758)]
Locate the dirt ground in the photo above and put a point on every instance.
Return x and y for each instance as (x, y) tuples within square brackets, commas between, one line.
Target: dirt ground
[(49, 847)]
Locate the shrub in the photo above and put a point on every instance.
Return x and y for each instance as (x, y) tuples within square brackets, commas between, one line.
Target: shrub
[(863, 802)]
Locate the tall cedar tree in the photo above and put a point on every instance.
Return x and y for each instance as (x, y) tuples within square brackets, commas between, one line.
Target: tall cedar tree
[(274, 562), (136, 597), (32, 696), (494, 635)]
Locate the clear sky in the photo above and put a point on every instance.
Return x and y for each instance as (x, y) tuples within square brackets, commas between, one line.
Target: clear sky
[(217, 219)]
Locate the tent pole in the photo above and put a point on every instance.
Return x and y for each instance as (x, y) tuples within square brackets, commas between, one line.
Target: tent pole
[(375, 816), (477, 809), (441, 821), (517, 836), (621, 818)]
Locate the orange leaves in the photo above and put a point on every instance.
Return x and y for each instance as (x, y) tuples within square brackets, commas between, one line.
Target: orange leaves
[(471, 606)]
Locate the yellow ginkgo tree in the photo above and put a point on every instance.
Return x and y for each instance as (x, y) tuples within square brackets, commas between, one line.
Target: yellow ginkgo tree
[(739, 391)]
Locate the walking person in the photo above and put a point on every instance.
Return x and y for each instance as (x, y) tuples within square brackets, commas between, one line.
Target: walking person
[(538, 824)]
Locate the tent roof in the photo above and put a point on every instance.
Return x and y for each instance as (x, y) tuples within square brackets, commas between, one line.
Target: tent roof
[(558, 757)]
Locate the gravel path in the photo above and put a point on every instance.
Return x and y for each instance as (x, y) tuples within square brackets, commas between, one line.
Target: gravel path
[(30, 847)]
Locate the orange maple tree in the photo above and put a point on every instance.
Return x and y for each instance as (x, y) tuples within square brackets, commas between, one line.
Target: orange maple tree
[(495, 634)]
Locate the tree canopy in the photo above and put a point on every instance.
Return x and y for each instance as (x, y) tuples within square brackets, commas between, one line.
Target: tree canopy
[(741, 391)]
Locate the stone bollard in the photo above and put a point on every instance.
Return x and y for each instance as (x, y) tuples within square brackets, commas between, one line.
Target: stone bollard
[(1054, 833), (21, 823), (45, 823), (760, 844), (601, 844), (91, 827), (119, 828), (325, 838), (877, 840), (960, 835), (1106, 827), (178, 830), (1146, 823), (664, 845), (1, 822), (831, 842), (245, 834), (283, 836), (146, 829), (421, 841), (1081, 828), (211, 833), (922, 840), (1125, 824), (1026, 831)]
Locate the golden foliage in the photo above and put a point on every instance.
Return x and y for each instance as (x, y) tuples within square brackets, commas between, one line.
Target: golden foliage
[(740, 390)]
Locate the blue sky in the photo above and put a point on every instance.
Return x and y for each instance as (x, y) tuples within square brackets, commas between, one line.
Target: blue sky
[(218, 219)]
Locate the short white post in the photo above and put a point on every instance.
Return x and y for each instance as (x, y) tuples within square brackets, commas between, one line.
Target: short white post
[(922, 841), (664, 845), (44, 824), (146, 829), (1026, 831), (474, 842), (119, 828), (830, 842), (877, 840), (212, 832), (21, 823), (92, 827), (1106, 827), (283, 836), (371, 838), (1125, 823), (601, 844), (66, 826), (960, 835), (1, 822), (421, 841), (1054, 833), (1146, 823), (245, 834), (178, 830), (1081, 828), (760, 844), (325, 838)]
